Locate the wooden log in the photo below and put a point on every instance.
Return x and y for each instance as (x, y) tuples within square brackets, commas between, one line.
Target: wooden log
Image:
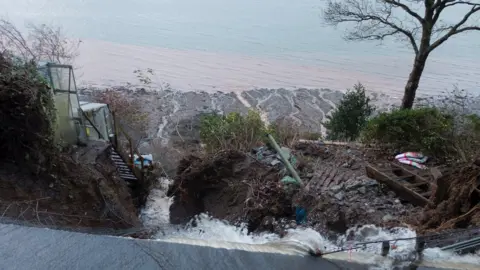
[(402, 191)]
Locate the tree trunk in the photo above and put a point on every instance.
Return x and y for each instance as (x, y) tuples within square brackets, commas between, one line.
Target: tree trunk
[(414, 80)]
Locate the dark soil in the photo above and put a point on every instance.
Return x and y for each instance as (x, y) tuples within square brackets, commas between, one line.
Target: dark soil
[(82, 190), (458, 197), (237, 188), (230, 186)]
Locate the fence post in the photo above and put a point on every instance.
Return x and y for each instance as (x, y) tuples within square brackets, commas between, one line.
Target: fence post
[(115, 127), (132, 159), (142, 172), (385, 248)]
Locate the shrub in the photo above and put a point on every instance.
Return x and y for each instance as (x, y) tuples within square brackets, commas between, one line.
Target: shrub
[(232, 131), (350, 116), (27, 113), (127, 110), (460, 105), (423, 129), (287, 132)]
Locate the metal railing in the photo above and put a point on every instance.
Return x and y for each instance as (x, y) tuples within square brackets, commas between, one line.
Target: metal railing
[(125, 147)]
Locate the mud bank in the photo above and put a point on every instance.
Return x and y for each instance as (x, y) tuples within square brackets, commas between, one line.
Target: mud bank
[(239, 188), (457, 201), (83, 191), (229, 185)]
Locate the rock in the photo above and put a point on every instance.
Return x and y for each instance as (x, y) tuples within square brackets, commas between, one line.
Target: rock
[(353, 185), (339, 196), (397, 201), (362, 190), (336, 188), (371, 182), (275, 162), (370, 211), (387, 218), (293, 224), (267, 224)]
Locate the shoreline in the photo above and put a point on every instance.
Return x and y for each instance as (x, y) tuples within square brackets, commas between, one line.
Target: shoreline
[(106, 64)]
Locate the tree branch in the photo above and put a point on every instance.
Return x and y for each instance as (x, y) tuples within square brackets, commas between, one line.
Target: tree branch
[(440, 5), (406, 8), (457, 28), (372, 22)]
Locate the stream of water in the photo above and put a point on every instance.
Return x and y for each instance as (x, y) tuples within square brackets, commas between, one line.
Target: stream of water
[(217, 233)]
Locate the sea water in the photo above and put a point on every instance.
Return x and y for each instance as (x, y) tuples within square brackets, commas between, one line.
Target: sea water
[(232, 45)]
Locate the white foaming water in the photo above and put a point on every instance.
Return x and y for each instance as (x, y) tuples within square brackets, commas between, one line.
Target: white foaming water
[(205, 230), (156, 209)]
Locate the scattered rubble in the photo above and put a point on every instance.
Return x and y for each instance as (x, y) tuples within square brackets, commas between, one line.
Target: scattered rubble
[(241, 187), (338, 193)]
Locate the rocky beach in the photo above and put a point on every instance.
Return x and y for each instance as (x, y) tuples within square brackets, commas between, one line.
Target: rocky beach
[(174, 116)]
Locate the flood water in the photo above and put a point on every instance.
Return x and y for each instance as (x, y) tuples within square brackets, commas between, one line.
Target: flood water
[(233, 45)]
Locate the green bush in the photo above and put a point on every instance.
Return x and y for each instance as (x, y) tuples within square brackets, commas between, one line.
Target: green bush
[(427, 130), (351, 115), (27, 113), (232, 131)]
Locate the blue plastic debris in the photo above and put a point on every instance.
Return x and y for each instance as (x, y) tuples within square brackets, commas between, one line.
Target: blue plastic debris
[(300, 215)]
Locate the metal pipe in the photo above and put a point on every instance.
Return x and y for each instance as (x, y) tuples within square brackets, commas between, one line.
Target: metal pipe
[(471, 243), (285, 159)]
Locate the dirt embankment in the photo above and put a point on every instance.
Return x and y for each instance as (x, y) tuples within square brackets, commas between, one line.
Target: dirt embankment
[(338, 195), (41, 185), (239, 188), (457, 201), (83, 190), (230, 186)]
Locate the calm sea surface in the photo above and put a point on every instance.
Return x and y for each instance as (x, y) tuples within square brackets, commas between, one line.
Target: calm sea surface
[(238, 45)]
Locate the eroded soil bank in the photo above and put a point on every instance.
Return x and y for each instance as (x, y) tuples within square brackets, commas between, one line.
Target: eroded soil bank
[(84, 192), (229, 185), (237, 187)]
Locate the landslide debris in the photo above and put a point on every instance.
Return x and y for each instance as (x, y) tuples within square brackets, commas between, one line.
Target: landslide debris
[(239, 188), (229, 185), (458, 201)]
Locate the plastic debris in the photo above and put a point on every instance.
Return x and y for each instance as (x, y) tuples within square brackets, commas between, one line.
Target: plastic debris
[(289, 180), (147, 160), (413, 159), (300, 215), (270, 157)]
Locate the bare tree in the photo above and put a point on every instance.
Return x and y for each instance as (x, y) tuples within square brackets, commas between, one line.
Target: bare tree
[(40, 43), (418, 22), (128, 111)]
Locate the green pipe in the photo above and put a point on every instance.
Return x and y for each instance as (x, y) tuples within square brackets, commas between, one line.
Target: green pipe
[(285, 159)]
